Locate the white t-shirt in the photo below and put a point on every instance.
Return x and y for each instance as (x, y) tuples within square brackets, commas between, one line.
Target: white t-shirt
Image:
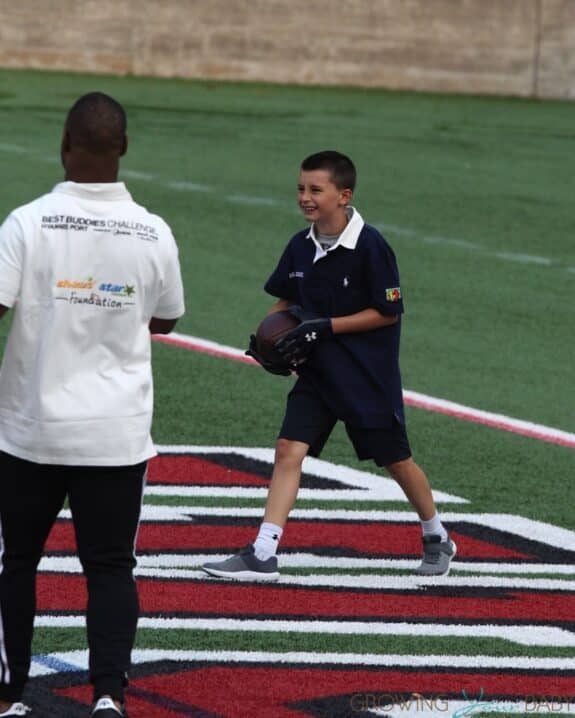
[(85, 269)]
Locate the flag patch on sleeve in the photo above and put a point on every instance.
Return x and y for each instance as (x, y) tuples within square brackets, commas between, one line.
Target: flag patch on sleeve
[(393, 294)]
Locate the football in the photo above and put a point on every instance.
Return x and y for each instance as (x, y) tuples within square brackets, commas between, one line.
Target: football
[(271, 329)]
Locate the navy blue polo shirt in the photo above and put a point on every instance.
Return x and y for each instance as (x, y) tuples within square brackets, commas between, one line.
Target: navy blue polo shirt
[(357, 375)]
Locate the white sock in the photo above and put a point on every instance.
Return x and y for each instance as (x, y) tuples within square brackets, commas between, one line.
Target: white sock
[(266, 543), (434, 526)]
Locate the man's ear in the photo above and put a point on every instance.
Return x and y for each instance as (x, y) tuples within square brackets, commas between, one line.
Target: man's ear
[(65, 145), (124, 146)]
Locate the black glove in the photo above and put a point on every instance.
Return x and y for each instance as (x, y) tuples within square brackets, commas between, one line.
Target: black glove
[(296, 346), (280, 369)]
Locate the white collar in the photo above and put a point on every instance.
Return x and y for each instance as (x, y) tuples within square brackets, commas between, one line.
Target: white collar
[(348, 238), (95, 190)]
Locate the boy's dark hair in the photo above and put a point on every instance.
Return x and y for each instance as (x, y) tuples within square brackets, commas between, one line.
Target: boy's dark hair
[(341, 168), (97, 123)]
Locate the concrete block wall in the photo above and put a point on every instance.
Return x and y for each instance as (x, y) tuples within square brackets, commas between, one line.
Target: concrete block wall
[(511, 47)]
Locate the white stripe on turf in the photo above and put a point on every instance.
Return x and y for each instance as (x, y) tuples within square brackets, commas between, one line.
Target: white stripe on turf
[(525, 635), (339, 580), (70, 564), (78, 660)]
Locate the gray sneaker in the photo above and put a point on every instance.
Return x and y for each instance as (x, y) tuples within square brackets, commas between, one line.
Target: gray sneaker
[(437, 555), (245, 566)]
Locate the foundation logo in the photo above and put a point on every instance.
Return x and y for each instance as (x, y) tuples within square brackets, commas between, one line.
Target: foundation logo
[(101, 294), (347, 632)]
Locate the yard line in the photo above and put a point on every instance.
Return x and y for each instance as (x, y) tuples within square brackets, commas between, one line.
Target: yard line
[(356, 581), (380, 492), (185, 186), (379, 583), (540, 432), (78, 660), (524, 258), (134, 174), (525, 635), (520, 257), (191, 559)]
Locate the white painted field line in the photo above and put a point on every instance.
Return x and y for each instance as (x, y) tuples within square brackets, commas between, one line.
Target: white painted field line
[(79, 659), (70, 564), (526, 528), (379, 493), (186, 186), (378, 583), (518, 257), (370, 482), (339, 580), (412, 398), (496, 421), (524, 635)]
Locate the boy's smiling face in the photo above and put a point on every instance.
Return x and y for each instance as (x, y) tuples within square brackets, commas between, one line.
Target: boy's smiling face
[(322, 202)]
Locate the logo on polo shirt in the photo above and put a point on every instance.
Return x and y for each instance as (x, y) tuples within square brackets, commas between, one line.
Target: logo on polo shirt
[(393, 294), (99, 294), (75, 283), (120, 290), (295, 275)]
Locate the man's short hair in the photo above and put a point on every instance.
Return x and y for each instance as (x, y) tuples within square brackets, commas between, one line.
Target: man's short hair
[(97, 123), (340, 167)]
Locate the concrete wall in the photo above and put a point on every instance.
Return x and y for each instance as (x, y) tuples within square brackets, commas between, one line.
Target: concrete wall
[(513, 47)]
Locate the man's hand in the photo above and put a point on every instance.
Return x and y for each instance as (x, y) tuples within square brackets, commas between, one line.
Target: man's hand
[(273, 368), (296, 346)]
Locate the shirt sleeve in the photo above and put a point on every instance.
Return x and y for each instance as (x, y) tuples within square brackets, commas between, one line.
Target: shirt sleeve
[(170, 303), (11, 260), (280, 284), (383, 277)]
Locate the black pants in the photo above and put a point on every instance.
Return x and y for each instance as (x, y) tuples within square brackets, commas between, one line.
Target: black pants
[(105, 503)]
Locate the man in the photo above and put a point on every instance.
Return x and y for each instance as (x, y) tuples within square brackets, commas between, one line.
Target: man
[(90, 274)]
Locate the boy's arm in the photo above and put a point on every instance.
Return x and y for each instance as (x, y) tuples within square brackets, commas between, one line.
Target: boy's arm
[(300, 342), (363, 321)]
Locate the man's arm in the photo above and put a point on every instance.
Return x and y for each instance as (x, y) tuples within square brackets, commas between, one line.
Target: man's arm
[(161, 326), (3, 310)]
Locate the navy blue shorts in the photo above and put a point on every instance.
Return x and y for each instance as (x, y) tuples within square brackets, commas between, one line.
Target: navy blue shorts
[(310, 420)]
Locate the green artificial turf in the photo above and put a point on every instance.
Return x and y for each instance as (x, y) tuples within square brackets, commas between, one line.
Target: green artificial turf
[(457, 181), (71, 639), (474, 194)]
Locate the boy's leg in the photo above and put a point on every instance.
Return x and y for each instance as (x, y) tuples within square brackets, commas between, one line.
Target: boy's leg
[(257, 561), (31, 495), (282, 494), (284, 484), (389, 447), (106, 504), (415, 486), (307, 424), (438, 548)]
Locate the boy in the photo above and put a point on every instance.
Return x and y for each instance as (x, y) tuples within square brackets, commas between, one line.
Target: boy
[(340, 279)]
